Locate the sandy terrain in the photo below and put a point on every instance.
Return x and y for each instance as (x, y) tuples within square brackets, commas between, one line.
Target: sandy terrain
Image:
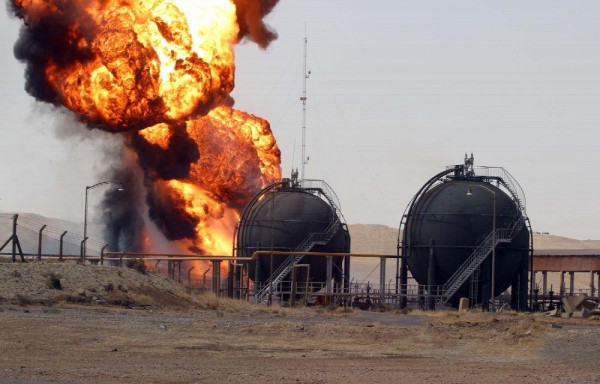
[(152, 331)]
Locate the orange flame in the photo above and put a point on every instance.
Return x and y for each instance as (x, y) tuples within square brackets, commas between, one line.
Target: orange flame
[(147, 66), (142, 62), (238, 157)]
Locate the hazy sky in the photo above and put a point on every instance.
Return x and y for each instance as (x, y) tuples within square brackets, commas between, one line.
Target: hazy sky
[(399, 90)]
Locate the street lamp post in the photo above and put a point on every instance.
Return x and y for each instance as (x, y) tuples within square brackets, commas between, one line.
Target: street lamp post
[(85, 214), (493, 290)]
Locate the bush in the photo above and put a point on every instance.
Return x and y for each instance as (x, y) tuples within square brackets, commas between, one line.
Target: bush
[(138, 265), (54, 281), (23, 300)]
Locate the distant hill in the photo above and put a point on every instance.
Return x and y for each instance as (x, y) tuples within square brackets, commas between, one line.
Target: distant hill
[(366, 238), (372, 239), (381, 239), (543, 242)]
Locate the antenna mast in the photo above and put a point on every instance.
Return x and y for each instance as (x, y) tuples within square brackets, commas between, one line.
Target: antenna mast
[(305, 75)]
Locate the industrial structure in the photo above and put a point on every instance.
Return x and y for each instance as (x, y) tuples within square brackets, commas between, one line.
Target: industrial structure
[(295, 216), (466, 234)]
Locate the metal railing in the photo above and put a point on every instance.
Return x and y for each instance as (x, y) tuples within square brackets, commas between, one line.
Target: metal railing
[(507, 180), (462, 274), (323, 190)]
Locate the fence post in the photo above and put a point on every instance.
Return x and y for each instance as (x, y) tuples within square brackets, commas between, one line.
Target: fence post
[(14, 235), (189, 274), (39, 256), (60, 251), (15, 242), (102, 254), (82, 254)]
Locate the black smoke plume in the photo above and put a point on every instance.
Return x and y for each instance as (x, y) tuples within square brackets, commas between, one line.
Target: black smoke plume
[(174, 162), (123, 211), (49, 37), (250, 14)]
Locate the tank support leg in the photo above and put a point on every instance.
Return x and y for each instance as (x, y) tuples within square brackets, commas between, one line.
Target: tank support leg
[(431, 277), (571, 283), (216, 277), (382, 282), (403, 282), (347, 276), (544, 287), (329, 276)]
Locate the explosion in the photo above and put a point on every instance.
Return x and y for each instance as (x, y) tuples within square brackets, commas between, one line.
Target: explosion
[(159, 73)]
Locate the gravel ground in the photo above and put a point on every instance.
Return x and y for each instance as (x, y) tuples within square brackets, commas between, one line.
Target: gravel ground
[(158, 333)]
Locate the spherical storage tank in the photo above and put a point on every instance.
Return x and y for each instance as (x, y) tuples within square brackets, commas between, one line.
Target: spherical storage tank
[(452, 217), (293, 215)]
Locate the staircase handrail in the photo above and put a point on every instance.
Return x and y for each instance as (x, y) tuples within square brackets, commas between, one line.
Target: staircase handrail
[(508, 181), (479, 254), (285, 267), (311, 240)]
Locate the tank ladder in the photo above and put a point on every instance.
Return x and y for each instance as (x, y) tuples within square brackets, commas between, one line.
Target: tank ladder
[(315, 238), (462, 274)]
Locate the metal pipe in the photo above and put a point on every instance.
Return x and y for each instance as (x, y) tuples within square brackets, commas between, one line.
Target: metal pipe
[(254, 255), (293, 288), (216, 277), (329, 274), (382, 282)]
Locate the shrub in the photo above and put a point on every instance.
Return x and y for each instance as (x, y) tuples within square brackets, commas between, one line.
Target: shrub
[(138, 265), (54, 281), (23, 300)]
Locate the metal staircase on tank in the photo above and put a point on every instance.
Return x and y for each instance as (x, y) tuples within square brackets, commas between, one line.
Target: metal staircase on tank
[(462, 274), (320, 238)]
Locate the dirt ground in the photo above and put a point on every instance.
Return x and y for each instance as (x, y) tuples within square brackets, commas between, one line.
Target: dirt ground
[(145, 338)]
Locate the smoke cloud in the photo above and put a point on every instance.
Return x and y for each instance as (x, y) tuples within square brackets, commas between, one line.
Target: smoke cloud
[(250, 14), (104, 61), (123, 211)]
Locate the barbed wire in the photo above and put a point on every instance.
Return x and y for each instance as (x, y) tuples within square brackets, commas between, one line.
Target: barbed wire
[(29, 228)]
